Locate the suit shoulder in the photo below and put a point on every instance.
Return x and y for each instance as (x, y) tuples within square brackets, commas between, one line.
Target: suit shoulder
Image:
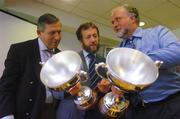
[(23, 47), (100, 58), (24, 44)]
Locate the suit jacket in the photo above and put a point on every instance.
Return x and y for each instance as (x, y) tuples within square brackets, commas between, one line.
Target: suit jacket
[(21, 91)]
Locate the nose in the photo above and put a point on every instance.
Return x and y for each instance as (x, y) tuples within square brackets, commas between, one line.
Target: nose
[(57, 36), (93, 39), (115, 24)]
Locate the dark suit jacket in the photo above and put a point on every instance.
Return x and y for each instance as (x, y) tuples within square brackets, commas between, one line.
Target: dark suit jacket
[(21, 91)]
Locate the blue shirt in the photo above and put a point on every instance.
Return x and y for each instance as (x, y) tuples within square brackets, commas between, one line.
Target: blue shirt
[(160, 44), (45, 55)]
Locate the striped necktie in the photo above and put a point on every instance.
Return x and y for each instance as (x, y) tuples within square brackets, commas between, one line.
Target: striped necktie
[(94, 78)]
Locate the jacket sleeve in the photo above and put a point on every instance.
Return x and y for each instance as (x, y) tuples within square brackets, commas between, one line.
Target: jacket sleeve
[(8, 83)]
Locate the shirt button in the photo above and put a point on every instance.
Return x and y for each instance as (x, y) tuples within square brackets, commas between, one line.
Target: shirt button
[(30, 100), (31, 82), (27, 114)]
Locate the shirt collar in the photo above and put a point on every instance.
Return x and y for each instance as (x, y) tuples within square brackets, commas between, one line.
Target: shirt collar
[(42, 46), (86, 53), (138, 32)]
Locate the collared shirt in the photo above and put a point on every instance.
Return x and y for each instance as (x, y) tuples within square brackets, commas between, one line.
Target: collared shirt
[(45, 55), (160, 44), (87, 59)]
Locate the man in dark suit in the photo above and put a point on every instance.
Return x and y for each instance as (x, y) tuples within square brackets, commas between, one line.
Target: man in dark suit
[(22, 95), (88, 35)]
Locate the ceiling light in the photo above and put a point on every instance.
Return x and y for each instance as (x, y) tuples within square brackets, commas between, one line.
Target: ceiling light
[(141, 23)]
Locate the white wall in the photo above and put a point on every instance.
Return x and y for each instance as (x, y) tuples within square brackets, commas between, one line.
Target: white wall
[(13, 30)]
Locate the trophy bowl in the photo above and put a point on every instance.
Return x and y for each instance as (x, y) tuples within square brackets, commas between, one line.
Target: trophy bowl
[(130, 69), (62, 72)]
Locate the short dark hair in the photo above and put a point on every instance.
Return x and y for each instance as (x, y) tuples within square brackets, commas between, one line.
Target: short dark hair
[(85, 26), (46, 18)]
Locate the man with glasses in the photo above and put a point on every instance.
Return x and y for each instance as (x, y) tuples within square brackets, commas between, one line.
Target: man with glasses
[(161, 99)]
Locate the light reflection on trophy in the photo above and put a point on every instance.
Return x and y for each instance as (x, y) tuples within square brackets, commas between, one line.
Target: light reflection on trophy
[(128, 70), (62, 72)]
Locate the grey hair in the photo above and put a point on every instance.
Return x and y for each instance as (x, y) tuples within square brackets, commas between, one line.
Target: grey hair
[(130, 9)]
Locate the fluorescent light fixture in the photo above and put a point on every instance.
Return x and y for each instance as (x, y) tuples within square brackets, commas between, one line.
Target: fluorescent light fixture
[(141, 23)]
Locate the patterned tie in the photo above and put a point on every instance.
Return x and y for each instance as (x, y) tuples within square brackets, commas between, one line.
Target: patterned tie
[(47, 54), (130, 43), (94, 78)]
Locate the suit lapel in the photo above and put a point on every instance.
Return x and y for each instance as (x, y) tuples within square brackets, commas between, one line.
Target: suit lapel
[(84, 65), (37, 58)]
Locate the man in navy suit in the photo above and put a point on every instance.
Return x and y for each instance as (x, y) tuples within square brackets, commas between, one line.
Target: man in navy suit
[(22, 95)]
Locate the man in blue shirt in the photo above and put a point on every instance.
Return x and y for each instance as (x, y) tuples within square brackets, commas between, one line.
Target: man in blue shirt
[(162, 99)]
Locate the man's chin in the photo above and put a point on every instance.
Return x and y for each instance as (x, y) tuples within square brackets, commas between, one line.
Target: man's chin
[(120, 34), (94, 49), (91, 50)]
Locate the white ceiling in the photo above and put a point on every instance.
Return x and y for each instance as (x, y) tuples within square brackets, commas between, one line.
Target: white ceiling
[(152, 12)]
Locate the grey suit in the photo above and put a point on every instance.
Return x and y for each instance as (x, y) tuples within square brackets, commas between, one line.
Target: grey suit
[(67, 109)]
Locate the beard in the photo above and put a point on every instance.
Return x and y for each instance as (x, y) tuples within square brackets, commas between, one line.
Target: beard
[(122, 33), (91, 49)]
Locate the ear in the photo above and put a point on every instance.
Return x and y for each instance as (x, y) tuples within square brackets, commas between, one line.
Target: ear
[(38, 32), (81, 42), (133, 19)]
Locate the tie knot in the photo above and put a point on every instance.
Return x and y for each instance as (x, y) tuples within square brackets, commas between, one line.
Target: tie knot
[(130, 39), (91, 56), (51, 51), (130, 43)]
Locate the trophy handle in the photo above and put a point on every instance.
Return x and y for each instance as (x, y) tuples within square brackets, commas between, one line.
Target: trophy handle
[(158, 63), (97, 66), (83, 76)]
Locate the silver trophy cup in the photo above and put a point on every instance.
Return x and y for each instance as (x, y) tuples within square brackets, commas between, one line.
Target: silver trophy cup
[(128, 70), (63, 72)]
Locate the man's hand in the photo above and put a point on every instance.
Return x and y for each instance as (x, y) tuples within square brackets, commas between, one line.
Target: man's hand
[(104, 85), (75, 89), (116, 91)]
